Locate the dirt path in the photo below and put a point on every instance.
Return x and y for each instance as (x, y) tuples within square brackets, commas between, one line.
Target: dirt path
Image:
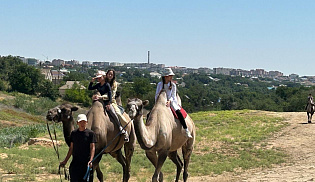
[(297, 140)]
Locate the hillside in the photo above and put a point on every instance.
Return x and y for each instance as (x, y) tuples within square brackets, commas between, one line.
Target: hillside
[(245, 145)]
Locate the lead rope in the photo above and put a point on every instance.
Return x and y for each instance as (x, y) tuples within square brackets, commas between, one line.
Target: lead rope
[(89, 169), (57, 151)]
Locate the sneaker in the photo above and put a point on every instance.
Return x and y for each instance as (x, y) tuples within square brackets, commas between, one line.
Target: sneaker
[(126, 137), (121, 129), (123, 132), (188, 133)]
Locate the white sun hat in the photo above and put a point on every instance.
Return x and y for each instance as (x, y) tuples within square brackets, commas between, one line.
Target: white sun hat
[(81, 117), (100, 73), (168, 72)]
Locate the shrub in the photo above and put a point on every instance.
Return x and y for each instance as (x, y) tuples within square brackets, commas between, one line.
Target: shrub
[(38, 106)]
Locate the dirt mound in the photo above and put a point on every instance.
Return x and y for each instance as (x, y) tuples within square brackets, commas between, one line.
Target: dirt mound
[(43, 142)]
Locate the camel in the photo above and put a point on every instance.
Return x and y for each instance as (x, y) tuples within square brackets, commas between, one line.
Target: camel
[(310, 110), (162, 135), (105, 131)]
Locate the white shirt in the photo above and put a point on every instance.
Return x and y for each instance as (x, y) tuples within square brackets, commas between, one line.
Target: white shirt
[(171, 94)]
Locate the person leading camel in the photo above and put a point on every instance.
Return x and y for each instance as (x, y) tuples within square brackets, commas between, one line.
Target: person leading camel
[(170, 88), (82, 149), (104, 89), (111, 79)]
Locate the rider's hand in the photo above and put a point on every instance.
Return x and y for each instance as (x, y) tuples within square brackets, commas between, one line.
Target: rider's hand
[(95, 97), (107, 107), (168, 103)]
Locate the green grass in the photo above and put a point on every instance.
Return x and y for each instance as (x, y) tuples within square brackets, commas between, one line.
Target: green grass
[(37, 106), (234, 140), (225, 141)]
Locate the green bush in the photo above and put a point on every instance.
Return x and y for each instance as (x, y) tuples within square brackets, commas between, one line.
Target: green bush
[(12, 136), (38, 106), (75, 94)]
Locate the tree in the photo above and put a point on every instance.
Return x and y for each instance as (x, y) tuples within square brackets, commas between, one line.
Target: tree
[(76, 76), (47, 89), (25, 79)]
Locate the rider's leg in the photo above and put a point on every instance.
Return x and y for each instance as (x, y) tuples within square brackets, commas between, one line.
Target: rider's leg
[(182, 121), (122, 119), (114, 115)]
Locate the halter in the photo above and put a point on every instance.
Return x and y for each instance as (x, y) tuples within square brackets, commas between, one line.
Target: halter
[(138, 111)]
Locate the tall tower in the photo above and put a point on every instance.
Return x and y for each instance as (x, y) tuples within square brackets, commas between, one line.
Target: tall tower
[(148, 57)]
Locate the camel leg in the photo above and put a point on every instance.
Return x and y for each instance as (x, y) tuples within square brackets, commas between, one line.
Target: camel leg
[(96, 166), (151, 155), (121, 159), (129, 149), (162, 155), (179, 164), (187, 151)]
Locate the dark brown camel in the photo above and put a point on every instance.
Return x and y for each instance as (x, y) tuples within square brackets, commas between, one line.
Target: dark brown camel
[(105, 131)]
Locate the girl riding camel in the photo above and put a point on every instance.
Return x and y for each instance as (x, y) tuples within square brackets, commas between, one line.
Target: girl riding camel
[(111, 79), (170, 89), (104, 89)]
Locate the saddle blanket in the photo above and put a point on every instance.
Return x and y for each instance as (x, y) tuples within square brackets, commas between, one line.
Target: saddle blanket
[(184, 113), (121, 108)]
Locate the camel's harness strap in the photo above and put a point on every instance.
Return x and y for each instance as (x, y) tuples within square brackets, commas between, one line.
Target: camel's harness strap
[(87, 174)]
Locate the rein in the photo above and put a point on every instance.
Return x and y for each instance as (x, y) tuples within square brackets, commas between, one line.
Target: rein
[(87, 174), (67, 177)]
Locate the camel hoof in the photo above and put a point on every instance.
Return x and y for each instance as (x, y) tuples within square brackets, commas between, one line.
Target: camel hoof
[(309, 121)]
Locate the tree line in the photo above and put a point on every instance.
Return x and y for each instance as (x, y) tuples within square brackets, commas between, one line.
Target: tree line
[(198, 92)]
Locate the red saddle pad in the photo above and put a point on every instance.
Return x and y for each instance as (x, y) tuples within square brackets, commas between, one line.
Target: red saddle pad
[(184, 113)]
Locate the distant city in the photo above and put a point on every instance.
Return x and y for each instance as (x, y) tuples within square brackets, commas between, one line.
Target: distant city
[(155, 69)]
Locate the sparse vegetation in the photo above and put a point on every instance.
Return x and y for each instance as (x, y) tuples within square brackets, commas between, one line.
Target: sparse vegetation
[(226, 141)]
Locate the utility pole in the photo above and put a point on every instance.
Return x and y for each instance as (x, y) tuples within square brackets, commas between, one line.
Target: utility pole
[(45, 57), (148, 57)]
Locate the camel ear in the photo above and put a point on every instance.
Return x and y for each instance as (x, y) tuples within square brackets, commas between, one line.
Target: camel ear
[(129, 100), (146, 102), (74, 108)]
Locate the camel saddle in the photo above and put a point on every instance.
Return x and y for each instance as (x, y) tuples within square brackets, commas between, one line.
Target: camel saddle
[(184, 113)]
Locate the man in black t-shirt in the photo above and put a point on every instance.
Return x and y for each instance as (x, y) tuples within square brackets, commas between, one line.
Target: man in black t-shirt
[(82, 149)]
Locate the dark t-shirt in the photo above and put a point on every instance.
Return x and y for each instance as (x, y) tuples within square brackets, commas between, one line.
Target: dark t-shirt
[(103, 89), (81, 144)]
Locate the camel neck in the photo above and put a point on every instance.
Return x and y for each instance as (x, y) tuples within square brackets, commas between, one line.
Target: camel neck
[(144, 138)]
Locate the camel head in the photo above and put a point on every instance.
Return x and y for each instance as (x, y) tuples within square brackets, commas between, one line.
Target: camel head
[(61, 113), (135, 106)]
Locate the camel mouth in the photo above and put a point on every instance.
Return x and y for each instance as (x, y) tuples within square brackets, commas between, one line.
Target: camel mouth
[(132, 112), (52, 118), (131, 115)]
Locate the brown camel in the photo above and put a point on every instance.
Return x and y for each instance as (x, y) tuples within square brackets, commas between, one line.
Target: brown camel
[(162, 135), (105, 131)]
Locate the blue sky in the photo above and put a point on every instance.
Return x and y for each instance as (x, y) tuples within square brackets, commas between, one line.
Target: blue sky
[(245, 34)]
